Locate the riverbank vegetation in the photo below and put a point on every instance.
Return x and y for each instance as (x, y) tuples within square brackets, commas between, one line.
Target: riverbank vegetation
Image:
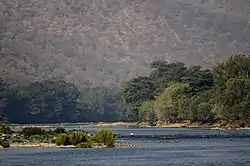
[(171, 93), (174, 93), (55, 101), (35, 137)]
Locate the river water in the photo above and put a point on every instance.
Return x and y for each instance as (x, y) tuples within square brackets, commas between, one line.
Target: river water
[(154, 147)]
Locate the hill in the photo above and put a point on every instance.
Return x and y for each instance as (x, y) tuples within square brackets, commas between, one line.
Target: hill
[(105, 42)]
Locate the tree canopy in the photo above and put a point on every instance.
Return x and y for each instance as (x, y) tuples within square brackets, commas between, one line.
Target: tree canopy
[(59, 101), (172, 92), (192, 93)]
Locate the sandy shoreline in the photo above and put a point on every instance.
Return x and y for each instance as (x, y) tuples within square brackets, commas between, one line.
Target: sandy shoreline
[(44, 145), (172, 125), (146, 125), (51, 145)]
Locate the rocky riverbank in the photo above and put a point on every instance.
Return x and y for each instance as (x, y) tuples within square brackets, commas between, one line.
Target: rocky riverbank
[(52, 145), (185, 124)]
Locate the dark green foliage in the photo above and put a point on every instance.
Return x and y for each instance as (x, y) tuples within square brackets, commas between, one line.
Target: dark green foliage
[(75, 130), (167, 72), (41, 137), (235, 67), (232, 93), (138, 90), (29, 131), (5, 129), (4, 94), (135, 92), (84, 145), (206, 96), (199, 80), (58, 101), (59, 130), (105, 137), (101, 104), (4, 143), (53, 141), (62, 139), (17, 140), (204, 113), (71, 138), (77, 138), (172, 92)]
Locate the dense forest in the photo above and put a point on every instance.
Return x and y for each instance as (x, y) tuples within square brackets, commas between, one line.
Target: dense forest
[(58, 101), (171, 93)]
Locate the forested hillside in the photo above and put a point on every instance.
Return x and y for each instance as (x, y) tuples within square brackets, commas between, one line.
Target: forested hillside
[(172, 92), (106, 42), (136, 60)]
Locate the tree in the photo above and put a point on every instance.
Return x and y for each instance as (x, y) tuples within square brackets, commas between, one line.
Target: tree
[(170, 104), (147, 112), (236, 66), (199, 80), (137, 91), (4, 92), (233, 100), (167, 72), (204, 113), (232, 91)]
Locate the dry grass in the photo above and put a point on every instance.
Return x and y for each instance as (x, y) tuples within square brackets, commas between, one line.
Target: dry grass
[(44, 145)]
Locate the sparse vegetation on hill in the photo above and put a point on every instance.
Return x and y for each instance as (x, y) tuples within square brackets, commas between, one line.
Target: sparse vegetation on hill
[(106, 42), (64, 61)]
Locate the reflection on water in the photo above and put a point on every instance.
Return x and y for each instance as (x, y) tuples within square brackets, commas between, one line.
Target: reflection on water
[(183, 147)]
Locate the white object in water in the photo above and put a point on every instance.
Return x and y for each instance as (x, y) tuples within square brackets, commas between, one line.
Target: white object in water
[(131, 134)]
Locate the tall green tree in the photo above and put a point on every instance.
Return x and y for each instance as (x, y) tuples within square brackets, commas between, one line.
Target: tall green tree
[(171, 104), (137, 91), (165, 72), (198, 79)]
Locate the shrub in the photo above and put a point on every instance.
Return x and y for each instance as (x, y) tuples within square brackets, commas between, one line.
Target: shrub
[(29, 131), (53, 141), (59, 130), (62, 139), (17, 140), (204, 113), (5, 129), (77, 137), (105, 137), (74, 130), (4, 143), (84, 145), (41, 137)]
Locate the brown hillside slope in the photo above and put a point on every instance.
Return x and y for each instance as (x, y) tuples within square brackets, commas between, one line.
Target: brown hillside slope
[(104, 42)]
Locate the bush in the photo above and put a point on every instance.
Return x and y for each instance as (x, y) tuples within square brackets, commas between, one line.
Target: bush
[(5, 129), (204, 113), (105, 137), (29, 131), (41, 137), (17, 140), (84, 145), (53, 141), (77, 137), (74, 130), (59, 130), (62, 139), (73, 138), (4, 143)]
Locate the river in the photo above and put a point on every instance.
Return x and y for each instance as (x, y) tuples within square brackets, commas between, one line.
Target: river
[(154, 147)]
